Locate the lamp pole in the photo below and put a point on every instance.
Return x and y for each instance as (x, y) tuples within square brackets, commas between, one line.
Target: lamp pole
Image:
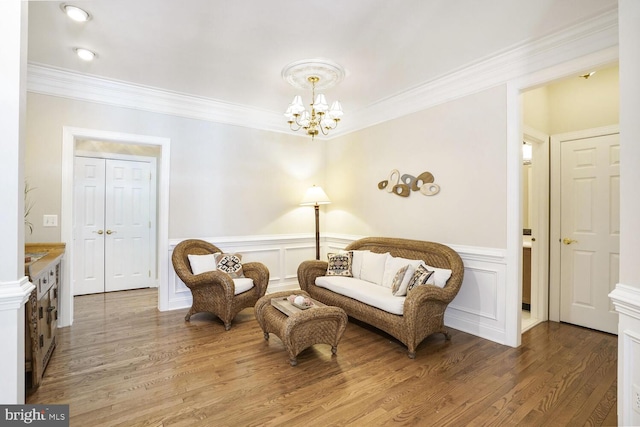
[(317, 209), (315, 196)]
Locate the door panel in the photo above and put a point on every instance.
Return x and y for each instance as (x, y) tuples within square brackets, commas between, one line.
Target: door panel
[(589, 231), (89, 225), (127, 224)]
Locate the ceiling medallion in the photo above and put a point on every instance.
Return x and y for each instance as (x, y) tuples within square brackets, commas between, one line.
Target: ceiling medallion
[(313, 74)]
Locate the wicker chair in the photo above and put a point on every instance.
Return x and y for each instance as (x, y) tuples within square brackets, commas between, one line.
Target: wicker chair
[(213, 291)]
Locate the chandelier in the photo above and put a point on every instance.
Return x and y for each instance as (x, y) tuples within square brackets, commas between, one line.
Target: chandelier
[(314, 74)]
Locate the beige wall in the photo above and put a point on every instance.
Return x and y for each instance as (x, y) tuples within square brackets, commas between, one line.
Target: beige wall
[(225, 180), (574, 103), (462, 143)]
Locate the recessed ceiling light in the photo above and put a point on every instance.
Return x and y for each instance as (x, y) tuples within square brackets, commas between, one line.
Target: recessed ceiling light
[(75, 13), (85, 54)]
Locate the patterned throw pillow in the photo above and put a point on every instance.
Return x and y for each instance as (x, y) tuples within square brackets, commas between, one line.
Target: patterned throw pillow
[(397, 280), (340, 264), (420, 277), (230, 264)]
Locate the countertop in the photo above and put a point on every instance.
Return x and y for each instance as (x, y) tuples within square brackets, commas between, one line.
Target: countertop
[(43, 254)]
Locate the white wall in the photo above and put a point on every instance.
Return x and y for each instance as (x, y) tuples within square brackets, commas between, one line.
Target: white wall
[(462, 143), (225, 180)]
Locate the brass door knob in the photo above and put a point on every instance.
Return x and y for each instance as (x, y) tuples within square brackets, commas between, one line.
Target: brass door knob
[(110, 231), (568, 241), (99, 231)]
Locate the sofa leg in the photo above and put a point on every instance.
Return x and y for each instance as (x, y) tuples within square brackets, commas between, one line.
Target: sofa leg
[(447, 335), (411, 354), (227, 326), (266, 336)]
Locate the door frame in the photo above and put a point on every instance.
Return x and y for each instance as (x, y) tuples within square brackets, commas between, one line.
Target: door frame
[(539, 223), (514, 128), (555, 199), (153, 202), (69, 137)]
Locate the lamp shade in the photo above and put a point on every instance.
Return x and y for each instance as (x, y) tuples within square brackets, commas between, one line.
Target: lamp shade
[(315, 196)]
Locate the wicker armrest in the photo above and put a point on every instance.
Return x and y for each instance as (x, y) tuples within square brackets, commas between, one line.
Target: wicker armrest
[(309, 270), (211, 278), (419, 296), (260, 275)]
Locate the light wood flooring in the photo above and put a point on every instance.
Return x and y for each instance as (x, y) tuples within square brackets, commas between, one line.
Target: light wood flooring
[(124, 363)]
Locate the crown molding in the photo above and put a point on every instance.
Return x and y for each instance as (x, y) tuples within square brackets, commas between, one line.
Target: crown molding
[(47, 80), (596, 37)]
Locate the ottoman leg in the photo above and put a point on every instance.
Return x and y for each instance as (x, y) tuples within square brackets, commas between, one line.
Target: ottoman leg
[(266, 336), (293, 361), (334, 349)]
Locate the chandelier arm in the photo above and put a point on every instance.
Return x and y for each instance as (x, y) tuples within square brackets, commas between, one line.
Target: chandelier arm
[(294, 129)]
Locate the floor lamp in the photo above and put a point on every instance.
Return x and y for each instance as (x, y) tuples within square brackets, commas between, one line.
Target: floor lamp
[(316, 196)]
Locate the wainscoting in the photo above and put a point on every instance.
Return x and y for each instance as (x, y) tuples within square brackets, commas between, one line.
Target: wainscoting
[(479, 308)]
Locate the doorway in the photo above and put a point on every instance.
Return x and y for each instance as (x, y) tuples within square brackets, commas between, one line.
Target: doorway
[(563, 107), (114, 215), (72, 137)]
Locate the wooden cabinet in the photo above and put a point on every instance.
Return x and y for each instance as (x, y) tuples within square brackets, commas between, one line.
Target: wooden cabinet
[(43, 265)]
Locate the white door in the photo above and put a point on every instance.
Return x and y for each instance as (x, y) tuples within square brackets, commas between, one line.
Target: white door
[(589, 230), (113, 225)]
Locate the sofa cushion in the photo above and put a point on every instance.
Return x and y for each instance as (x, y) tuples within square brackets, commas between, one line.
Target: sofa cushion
[(393, 264), (373, 267), (339, 264), (439, 276), (363, 291), (356, 263)]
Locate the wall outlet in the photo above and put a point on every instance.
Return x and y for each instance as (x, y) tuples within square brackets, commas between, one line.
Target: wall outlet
[(636, 398), (50, 221)]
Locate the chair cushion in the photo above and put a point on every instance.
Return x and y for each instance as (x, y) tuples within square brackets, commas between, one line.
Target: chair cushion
[(242, 284), (202, 263)]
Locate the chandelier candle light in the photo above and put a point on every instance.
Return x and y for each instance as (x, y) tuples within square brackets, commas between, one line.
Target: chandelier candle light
[(316, 74)]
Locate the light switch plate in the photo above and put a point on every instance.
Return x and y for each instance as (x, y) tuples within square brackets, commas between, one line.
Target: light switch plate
[(50, 221)]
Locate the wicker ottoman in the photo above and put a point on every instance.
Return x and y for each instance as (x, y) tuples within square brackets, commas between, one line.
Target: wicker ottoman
[(301, 329)]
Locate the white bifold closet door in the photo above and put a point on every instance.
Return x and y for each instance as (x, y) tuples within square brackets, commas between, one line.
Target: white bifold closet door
[(112, 225)]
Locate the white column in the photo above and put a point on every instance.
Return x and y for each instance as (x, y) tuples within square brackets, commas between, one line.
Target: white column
[(14, 287), (626, 296)]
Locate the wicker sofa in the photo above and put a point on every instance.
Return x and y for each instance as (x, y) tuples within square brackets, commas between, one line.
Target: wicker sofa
[(424, 306)]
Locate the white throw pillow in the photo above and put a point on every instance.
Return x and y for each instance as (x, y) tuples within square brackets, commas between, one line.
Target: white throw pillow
[(391, 266), (202, 263), (356, 263), (373, 267), (439, 276)]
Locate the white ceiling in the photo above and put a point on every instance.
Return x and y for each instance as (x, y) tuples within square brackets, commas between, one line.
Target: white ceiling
[(234, 51)]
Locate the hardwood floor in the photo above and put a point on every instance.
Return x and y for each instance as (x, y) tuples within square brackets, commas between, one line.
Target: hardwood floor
[(124, 363)]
